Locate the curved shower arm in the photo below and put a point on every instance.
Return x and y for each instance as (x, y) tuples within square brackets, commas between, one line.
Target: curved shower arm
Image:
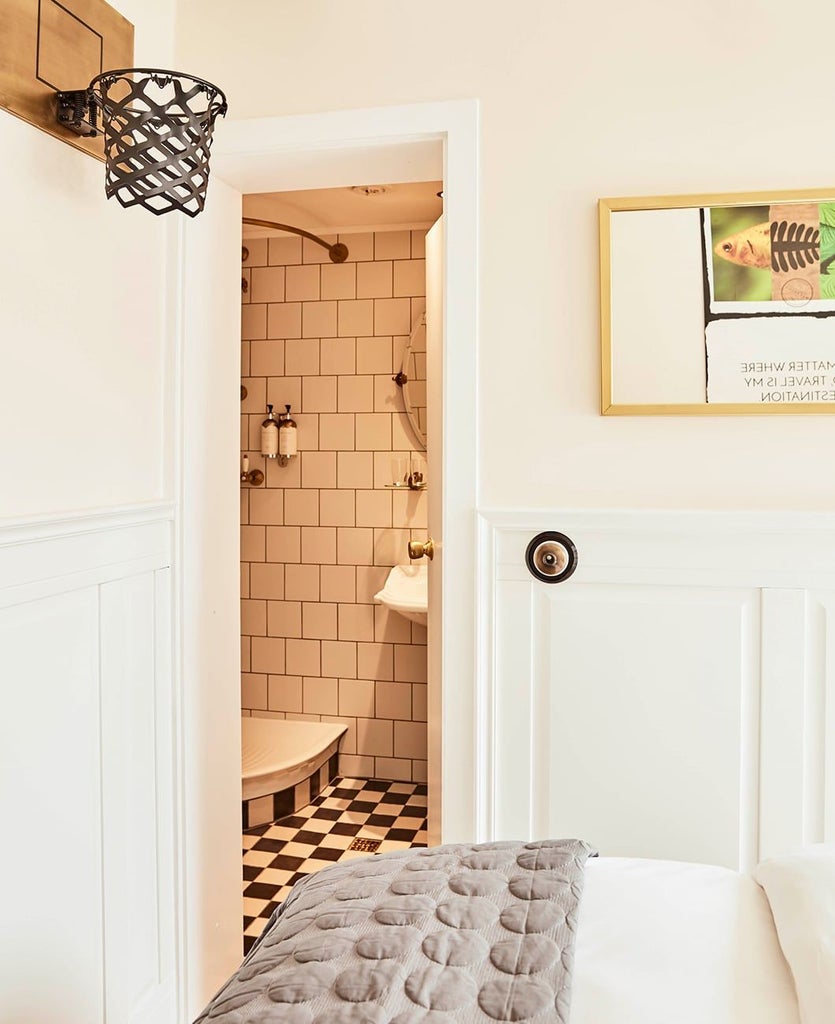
[(338, 251)]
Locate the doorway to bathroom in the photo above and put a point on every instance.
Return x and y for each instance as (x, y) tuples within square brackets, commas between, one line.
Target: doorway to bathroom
[(335, 473), (281, 154)]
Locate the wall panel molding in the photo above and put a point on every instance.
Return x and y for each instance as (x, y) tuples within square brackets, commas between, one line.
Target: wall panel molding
[(19, 529), (819, 720), (57, 554), (689, 655), (87, 747)]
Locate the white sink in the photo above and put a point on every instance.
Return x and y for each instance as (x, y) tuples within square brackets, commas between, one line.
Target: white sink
[(406, 592)]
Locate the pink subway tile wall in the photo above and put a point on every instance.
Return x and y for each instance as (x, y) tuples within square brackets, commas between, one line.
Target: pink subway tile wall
[(318, 539)]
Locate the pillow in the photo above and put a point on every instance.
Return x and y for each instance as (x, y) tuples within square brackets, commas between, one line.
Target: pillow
[(801, 890)]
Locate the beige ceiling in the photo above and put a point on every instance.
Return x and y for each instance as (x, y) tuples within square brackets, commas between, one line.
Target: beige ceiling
[(334, 210)]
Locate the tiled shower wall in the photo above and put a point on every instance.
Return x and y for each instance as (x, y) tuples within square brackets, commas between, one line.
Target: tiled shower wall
[(317, 541)]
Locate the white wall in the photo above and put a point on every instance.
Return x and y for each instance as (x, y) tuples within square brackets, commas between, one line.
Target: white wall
[(83, 318), (86, 744), (86, 421), (676, 698), (578, 101)]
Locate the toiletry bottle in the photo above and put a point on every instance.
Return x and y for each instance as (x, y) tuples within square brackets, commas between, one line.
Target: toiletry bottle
[(287, 435), (269, 435)]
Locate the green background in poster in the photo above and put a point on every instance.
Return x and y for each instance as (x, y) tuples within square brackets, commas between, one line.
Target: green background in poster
[(827, 221), (733, 283)]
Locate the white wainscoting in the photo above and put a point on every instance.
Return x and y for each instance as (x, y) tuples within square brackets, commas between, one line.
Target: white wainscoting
[(87, 868), (675, 697)]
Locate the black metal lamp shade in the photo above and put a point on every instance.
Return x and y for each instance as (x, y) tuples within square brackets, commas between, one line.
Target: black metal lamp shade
[(158, 128)]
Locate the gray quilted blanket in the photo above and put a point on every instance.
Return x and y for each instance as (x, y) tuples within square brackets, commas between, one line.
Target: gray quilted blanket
[(447, 935)]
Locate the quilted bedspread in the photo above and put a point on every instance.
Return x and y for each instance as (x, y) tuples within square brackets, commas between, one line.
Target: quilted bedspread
[(461, 934)]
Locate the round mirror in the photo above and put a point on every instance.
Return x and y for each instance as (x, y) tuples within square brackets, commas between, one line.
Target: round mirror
[(413, 377)]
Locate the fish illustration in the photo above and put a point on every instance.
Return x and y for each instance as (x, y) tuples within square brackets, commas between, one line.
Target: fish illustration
[(779, 245), (750, 247)]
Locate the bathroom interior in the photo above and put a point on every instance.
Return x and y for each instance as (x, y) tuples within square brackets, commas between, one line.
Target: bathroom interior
[(334, 475)]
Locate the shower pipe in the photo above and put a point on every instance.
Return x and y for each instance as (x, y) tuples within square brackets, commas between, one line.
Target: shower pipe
[(338, 252)]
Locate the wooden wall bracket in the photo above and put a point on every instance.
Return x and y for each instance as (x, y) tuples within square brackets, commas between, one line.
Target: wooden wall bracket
[(48, 48)]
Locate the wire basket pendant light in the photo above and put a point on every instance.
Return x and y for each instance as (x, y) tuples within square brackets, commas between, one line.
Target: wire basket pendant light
[(158, 129)]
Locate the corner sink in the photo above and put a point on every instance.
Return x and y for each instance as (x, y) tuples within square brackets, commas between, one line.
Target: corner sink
[(406, 592)]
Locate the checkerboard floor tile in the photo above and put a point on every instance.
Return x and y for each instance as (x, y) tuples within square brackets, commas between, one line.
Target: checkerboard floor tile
[(276, 856)]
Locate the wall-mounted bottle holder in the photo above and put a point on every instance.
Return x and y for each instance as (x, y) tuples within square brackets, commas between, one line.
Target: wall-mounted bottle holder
[(279, 437), (551, 557)]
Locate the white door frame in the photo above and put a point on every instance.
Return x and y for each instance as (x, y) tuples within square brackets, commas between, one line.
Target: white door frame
[(248, 156)]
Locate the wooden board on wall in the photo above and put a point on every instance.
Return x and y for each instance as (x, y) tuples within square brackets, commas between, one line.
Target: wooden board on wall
[(47, 46)]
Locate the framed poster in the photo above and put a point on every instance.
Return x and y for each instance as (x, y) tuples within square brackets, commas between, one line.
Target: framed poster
[(718, 304)]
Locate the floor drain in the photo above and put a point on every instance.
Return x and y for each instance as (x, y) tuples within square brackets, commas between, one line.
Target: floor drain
[(365, 845)]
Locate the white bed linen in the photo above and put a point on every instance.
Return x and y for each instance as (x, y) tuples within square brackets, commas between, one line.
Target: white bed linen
[(801, 891), (661, 942)]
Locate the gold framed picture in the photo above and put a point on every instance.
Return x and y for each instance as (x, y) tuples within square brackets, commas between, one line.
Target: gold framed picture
[(718, 304)]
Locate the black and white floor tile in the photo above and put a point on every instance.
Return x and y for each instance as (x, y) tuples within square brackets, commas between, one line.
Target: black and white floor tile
[(276, 856)]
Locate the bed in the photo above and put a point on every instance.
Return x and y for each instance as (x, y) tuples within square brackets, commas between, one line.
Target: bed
[(661, 941), (544, 932)]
